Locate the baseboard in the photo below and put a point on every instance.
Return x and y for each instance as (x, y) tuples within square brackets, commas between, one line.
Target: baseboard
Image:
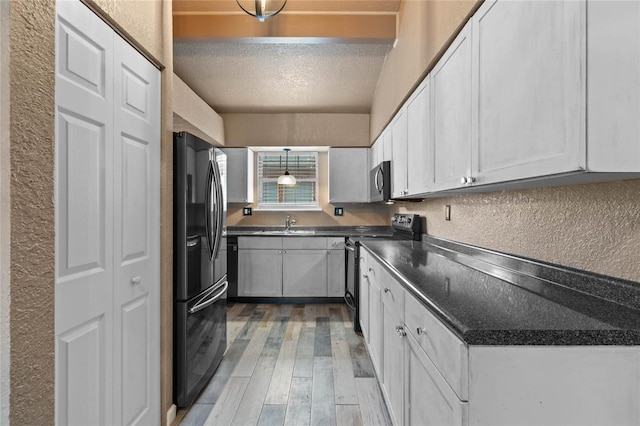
[(171, 414)]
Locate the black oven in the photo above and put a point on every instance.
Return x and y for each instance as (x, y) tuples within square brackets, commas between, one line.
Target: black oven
[(405, 227)]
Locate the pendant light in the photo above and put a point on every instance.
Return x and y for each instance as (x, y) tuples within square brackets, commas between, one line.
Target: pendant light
[(286, 178), (261, 9)]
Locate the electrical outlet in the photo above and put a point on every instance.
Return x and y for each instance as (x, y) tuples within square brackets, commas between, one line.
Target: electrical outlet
[(246, 211), (338, 211), (447, 212)]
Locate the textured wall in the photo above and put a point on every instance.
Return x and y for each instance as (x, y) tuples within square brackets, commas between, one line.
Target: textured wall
[(147, 24), (424, 28), (296, 129), (5, 223), (193, 115), (354, 214), (595, 227), (32, 211)]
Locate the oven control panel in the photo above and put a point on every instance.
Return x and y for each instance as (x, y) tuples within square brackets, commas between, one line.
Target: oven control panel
[(406, 222)]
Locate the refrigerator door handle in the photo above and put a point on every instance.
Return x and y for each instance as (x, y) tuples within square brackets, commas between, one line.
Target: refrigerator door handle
[(348, 298), (207, 207), (208, 301), (217, 237)]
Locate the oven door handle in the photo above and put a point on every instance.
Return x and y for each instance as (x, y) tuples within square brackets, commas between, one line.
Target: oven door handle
[(210, 301), (348, 299), (350, 248)]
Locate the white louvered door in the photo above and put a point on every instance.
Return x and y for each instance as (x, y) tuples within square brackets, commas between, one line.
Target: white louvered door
[(107, 225)]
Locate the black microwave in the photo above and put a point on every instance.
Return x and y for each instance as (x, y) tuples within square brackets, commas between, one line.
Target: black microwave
[(380, 182)]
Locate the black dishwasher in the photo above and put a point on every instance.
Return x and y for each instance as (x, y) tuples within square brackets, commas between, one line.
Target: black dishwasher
[(232, 268)]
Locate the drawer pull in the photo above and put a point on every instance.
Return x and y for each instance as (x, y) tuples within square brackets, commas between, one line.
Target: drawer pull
[(400, 331), (371, 270), (365, 276), (387, 289), (420, 331)]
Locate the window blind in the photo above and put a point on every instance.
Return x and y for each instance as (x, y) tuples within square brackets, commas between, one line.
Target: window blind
[(302, 165)]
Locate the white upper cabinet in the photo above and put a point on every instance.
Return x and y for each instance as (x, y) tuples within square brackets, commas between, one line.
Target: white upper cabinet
[(348, 175), (375, 152), (419, 171), (530, 100), (399, 155), (387, 145), (452, 100), (613, 85), (240, 175)]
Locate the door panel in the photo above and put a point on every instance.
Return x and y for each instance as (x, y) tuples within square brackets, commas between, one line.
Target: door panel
[(81, 357), (304, 273), (136, 246), (135, 199), (84, 218), (135, 358)]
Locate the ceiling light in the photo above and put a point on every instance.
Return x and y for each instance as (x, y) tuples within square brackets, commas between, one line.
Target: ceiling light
[(286, 178), (264, 8)]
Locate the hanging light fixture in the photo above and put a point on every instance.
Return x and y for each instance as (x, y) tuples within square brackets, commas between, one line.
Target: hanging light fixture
[(286, 178), (261, 11)]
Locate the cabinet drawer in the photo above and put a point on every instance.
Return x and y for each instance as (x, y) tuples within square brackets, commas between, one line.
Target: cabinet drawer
[(448, 353), (428, 398), (260, 243), (392, 293), (304, 243)]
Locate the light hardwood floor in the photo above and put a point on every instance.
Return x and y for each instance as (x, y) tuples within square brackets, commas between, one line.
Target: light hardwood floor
[(291, 365)]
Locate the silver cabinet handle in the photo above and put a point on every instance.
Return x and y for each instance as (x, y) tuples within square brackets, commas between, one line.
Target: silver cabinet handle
[(387, 289), (365, 276), (136, 280), (400, 331), (420, 331), (467, 180), (371, 270)]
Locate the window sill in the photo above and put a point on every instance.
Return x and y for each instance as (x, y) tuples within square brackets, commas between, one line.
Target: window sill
[(287, 209)]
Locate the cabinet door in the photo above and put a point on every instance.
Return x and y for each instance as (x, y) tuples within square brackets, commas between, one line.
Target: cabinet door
[(348, 175), (259, 273), (387, 145), (399, 148), (375, 329), (531, 89), (393, 363), (429, 399), (451, 100), (304, 273), (336, 274), (240, 175), (363, 305), (375, 155), (419, 170)]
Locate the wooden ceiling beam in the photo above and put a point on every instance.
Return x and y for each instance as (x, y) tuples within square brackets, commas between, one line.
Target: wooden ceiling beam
[(312, 27)]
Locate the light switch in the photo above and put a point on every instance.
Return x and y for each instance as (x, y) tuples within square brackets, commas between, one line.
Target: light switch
[(338, 211), (447, 212), (246, 211)]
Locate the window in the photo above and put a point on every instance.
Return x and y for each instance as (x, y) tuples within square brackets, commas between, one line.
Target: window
[(301, 196)]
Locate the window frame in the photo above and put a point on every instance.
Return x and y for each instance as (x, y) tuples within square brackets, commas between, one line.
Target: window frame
[(264, 206)]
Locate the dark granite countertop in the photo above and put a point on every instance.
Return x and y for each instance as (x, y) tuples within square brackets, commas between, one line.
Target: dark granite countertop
[(310, 231), (489, 298)]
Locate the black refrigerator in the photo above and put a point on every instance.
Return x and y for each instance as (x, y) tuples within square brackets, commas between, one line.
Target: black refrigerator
[(200, 264)]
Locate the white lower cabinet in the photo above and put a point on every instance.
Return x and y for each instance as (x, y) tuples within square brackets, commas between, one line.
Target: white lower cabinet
[(304, 273), (259, 273), (428, 398), (336, 263), (431, 377), (291, 267), (393, 362)]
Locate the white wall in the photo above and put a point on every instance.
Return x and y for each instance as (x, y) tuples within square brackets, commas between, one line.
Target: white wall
[(5, 170)]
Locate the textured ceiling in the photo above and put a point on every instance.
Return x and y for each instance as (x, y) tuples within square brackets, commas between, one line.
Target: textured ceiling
[(334, 72), (249, 77)]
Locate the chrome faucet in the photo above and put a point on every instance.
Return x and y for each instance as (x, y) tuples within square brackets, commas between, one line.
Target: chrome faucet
[(288, 222)]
